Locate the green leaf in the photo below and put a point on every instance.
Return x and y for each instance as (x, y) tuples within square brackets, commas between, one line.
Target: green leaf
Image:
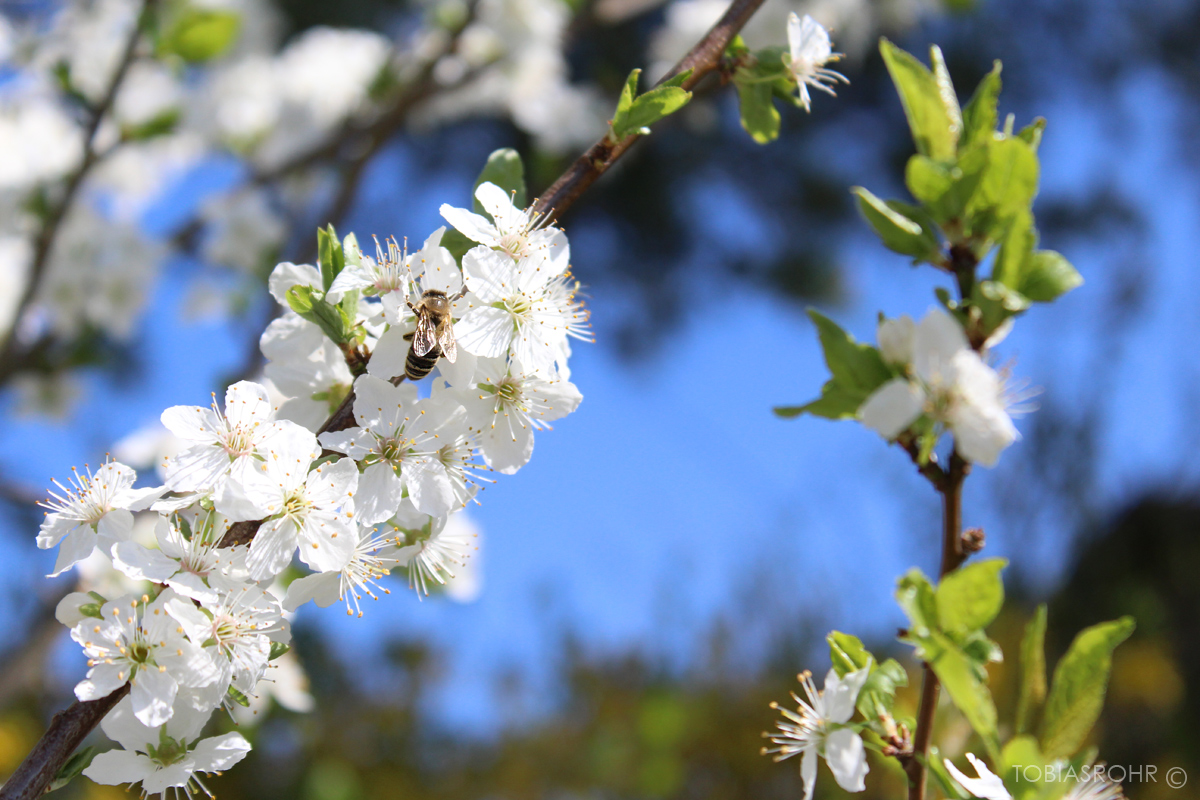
[(1016, 246), (933, 129), (277, 649), (916, 597), (73, 768), (160, 125), (330, 319), (1047, 276), (505, 169), (979, 117), (878, 694), (200, 34), (945, 87), (847, 654), (856, 367), (330, 255), (634, 113), (1020, 753), (237, 697), (91, 610), (1009, 182), (1031, 134), (759, 116), (1033, 670), (968, 599), (835, 402), (1080, 682), (996, 303), (677, 80), (969, 694), (894, 223)]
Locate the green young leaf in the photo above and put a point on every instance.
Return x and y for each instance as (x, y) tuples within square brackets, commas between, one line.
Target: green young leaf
[(968, 599), (1033, 670), (878, 694), (847, 654), (995, 303), (1047, 276), (969, 694), (324, 314), (916, 597), (73, 768), (979, 117), (1008, 185), (946, 189), (91, 610), (634, 113), (678, 80), (945, 87), (330, 255), (238, 697), (856, 367), (505, 169), (933, 129), (759, 116), (160, 125), (899, 226), (200, 34), (277, 649), (1016, 246), (1020, 767), (835, 402), (1080, 682), (1031, 134)]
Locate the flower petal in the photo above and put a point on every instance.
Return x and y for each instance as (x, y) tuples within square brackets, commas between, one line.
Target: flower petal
[(847, 759)]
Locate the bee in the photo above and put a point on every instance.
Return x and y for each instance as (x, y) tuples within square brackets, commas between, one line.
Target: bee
[(434, 336)]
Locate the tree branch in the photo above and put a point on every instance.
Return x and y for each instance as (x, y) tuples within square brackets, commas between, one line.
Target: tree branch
[(66, 731), (702, 59), (44, 243)]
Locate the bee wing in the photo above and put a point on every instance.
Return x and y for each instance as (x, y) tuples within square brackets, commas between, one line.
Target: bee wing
[(425, 336), (446, 340)]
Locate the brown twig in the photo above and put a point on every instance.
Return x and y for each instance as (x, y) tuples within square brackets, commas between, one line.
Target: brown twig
[(66, 731), (44, 243), (703, 59)]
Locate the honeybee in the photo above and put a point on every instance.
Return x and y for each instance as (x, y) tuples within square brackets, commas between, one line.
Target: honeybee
[(434, 336)]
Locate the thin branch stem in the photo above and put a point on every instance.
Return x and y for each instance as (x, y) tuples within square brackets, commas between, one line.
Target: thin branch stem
[(702, 59), (44, 243)]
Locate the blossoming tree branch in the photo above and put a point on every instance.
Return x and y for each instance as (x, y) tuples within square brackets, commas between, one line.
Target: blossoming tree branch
[(353, 483), (931, 388)]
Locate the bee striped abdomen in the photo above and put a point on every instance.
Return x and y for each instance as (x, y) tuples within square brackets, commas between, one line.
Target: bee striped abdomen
[(417, 367)]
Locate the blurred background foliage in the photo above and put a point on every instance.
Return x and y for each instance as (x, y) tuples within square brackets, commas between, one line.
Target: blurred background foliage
[(698, 214)]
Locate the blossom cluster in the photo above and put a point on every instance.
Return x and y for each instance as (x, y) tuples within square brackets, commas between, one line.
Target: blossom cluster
[(210, 606)]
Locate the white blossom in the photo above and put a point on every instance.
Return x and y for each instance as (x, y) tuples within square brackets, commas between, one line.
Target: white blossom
[(818, 728), (95, 510), (1094, 784), (952, 384), (511, 230), (310, 509), (507, 404), (433, 551), (225, 445), (398, 444), (526, 308), (138, 642), (809, 50), (194, 566), (373, 558), (163, 757), (238, 630)]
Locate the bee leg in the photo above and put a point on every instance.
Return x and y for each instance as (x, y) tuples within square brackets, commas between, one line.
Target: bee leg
[(408, 337), (461, 293)]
